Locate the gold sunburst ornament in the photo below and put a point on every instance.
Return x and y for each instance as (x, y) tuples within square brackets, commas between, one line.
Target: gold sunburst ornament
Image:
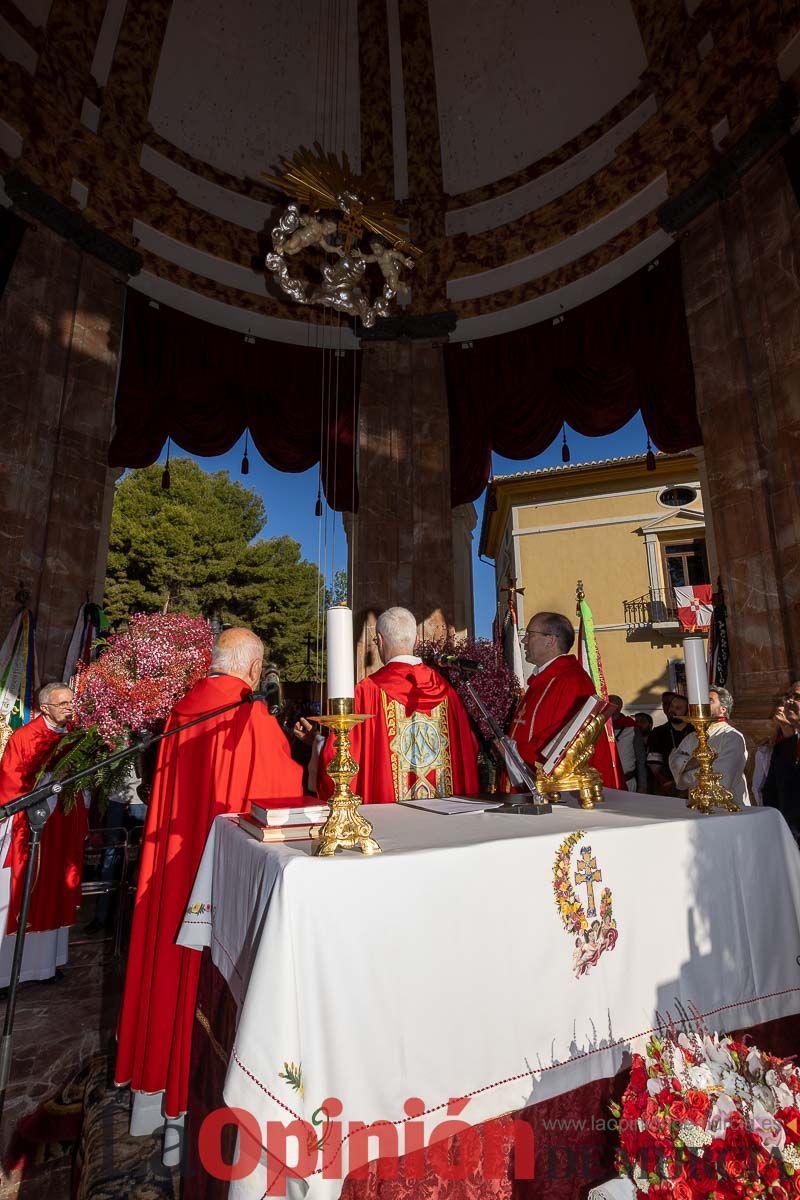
[(335, 211)]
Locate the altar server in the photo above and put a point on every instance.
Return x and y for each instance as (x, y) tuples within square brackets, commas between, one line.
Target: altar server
[(419, 743), (557, 685), (727, 743), (57, 883), (220, 765)]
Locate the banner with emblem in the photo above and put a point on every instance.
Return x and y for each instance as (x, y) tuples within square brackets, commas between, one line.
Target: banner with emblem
[(18, 674), (694, 606)]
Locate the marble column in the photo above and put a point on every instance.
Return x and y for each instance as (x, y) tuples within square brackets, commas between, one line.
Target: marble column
[(60, 326), (402, 540), (741, 270)]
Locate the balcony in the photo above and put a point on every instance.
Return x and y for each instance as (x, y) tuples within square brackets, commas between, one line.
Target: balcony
[(657, 609)]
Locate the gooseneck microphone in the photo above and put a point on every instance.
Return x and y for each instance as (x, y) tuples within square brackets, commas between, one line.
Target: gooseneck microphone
[(457, 660)]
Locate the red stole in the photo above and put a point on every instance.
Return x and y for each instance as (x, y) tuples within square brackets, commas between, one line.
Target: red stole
[(552, 697), (419, 742), (219, 766), (56, 893)]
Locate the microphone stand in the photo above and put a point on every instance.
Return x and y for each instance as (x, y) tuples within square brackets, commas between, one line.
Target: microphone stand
[(37, 808)]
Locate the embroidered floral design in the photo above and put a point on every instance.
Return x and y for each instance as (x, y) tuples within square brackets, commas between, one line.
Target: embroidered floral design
[(197, 910), (293, 1075), (593, 937)]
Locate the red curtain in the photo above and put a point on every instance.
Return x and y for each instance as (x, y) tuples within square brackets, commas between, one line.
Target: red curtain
[(625, 351), (11, 230), (202, 386)]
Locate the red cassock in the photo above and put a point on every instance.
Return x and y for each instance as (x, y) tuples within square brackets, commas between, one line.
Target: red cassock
[(553, 696), (56, 893), (221, 765), (419, 742)]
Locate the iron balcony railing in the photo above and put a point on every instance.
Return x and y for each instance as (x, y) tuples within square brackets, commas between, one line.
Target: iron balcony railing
[(656, 607)]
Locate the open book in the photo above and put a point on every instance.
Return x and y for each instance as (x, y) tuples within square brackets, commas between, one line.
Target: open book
[(556, 749)]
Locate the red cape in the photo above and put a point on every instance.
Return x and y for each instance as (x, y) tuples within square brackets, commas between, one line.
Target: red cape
[(56, 893), (553, 696), (219, 766), (391, 694)]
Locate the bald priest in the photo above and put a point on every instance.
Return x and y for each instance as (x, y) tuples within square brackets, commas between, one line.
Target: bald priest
[(419, 744), (217, 766)]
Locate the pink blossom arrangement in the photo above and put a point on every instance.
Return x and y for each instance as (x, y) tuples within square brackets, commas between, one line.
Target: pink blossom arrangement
[(141, 674), (495, 683)]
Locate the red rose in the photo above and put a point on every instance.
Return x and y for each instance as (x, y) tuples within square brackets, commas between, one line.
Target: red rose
[(697, 1099), (682, 1191), (734, 1167), (638, 1079), (678, 1110)]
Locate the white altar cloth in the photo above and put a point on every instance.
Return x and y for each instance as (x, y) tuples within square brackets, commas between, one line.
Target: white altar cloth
[(441, 968)]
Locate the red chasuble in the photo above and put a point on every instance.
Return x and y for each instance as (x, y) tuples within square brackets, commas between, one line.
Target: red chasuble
[(222, 765), (419, 743), (553, 696), (56, 893)]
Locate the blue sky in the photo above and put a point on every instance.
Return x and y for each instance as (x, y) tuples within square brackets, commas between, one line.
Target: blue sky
[(290, 499)]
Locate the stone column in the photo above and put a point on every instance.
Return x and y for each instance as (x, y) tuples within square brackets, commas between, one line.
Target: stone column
[(60, 326), (741, 270), (401, 542)]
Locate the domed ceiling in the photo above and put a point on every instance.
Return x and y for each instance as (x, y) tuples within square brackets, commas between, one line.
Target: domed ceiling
[(530, 145)]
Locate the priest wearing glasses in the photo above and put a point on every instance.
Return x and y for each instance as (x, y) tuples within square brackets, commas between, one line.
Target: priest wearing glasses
[(557, 686)]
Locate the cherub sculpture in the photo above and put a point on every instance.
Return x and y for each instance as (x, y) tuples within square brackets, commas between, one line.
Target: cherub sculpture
[(297, 231), (341, 288), (390, 261)]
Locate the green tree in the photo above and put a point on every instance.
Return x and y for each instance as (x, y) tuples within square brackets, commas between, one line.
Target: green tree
[(192, 549)]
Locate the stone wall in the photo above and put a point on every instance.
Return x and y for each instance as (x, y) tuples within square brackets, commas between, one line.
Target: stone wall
[(741, 268), (60, 326)]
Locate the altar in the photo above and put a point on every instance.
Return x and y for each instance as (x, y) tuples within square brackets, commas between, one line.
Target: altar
[(482, 964)]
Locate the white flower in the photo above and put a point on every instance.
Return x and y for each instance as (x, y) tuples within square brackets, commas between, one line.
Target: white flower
[(731, 1082), (791, 1156), (717, 1054), (770, 1131), (701, 1077), (694, 1136), (754, 1064), (640, 1178), (764, 1095), (720, 1114), (784, 1096), (654, 1086)]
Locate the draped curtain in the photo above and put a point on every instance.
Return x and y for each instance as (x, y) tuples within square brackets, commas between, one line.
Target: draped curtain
[(202, 386), (625, 351), (11, 230)]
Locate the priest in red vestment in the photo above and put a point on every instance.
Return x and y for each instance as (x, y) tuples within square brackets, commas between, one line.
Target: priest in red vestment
[(56, 893), (218, 766), (419, 743), (556, 688)]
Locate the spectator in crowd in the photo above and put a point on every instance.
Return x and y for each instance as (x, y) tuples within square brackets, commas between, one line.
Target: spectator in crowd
[(782, 785), (777, 728), (644, 724), (630, 748), (727, 743), (663, 740)]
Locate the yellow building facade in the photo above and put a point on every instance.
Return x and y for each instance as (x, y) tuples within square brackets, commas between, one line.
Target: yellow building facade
[(631, 535)]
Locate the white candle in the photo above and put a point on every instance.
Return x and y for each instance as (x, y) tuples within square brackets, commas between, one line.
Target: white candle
[(339, 632), (694, 656)]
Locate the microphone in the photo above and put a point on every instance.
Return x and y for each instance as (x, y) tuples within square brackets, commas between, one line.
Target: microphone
[(456, 660)]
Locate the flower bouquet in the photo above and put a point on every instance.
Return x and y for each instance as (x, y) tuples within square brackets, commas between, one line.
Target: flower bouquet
[(712, 1117), (129, 690)]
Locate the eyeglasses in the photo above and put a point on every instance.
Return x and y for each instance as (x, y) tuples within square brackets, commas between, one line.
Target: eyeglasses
[(533, 633), (792, 696)]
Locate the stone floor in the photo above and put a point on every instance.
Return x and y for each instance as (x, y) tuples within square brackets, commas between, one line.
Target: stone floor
[(59, 1026)]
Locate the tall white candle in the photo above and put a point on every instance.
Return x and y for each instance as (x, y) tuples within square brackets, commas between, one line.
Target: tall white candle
[(339, 631), (694, 656)]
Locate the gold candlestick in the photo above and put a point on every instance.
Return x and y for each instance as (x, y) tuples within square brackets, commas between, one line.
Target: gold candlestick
[(345, 828), (708, 793)]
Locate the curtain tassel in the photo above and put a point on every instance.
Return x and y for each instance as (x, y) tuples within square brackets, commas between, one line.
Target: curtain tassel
[(165, 480), (650, 458), (564, 446), (245, 459), (318, 505)]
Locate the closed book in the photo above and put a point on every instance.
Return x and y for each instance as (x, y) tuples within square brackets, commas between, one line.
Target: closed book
[(556, 749), (286, 833), (305, 814)]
